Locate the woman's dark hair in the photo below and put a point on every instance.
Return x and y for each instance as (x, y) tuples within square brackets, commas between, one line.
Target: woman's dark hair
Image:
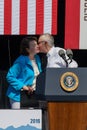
[(25, 43)]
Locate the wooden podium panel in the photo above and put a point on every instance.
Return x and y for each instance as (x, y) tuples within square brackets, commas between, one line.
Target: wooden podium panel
[(67, 115)]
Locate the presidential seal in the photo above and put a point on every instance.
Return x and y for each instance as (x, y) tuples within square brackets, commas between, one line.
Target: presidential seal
[(69, 81)]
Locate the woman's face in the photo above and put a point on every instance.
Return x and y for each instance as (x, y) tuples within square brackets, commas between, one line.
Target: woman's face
[(34, 48)]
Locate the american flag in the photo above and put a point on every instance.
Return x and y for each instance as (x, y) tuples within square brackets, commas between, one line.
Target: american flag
[(76, 24), (28, 17)]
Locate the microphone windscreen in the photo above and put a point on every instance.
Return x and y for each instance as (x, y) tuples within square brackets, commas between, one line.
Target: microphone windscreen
[(69, 52), (61, 52)]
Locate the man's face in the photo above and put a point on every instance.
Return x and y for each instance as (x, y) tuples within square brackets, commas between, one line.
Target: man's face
[(42, 45)]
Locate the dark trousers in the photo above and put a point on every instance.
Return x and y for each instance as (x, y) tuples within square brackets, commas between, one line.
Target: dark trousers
[(29, 101)]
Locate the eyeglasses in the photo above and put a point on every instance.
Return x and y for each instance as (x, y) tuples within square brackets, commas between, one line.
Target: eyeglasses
[(41, 42)]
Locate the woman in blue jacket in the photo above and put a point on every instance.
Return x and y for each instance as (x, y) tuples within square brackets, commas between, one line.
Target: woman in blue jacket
[(22, 75)]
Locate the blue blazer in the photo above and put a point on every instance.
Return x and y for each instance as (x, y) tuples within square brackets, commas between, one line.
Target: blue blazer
[(19, 75)]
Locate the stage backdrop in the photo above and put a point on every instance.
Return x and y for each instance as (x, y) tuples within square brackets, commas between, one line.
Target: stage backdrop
[(65, 21), (42, 16)]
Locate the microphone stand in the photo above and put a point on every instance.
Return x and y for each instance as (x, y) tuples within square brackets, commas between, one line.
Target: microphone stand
[(70, 60), (66, 63)]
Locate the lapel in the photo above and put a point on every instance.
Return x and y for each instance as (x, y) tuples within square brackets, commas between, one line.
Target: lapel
[(28, 61)]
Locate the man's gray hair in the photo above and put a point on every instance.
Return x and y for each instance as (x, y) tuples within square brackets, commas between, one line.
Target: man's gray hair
[(48, 38)]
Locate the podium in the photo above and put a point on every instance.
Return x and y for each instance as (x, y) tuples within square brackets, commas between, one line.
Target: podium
[(67, 108)]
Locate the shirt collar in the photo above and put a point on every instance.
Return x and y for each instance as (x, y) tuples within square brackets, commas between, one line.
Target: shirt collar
[(51, 52)]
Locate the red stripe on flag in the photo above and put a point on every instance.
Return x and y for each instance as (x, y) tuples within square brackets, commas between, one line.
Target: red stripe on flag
[(72, 24), (54, 16), (39, 16), (7, 16), (23, 16)]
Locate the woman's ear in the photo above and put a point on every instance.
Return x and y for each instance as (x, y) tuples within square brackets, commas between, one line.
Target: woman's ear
[(27, 49)]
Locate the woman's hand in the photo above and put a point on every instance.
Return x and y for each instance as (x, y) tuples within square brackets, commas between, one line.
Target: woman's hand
[(29, 89), (25, 88)]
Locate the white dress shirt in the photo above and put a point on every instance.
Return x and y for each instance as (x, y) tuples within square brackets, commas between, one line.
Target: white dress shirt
[(36, 73), (54, 60)]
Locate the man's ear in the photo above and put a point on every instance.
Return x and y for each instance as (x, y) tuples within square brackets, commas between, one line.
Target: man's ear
[(47, 46)]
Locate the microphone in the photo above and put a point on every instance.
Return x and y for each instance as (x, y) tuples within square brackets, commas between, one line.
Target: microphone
[(69, 54), (62, 54)]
